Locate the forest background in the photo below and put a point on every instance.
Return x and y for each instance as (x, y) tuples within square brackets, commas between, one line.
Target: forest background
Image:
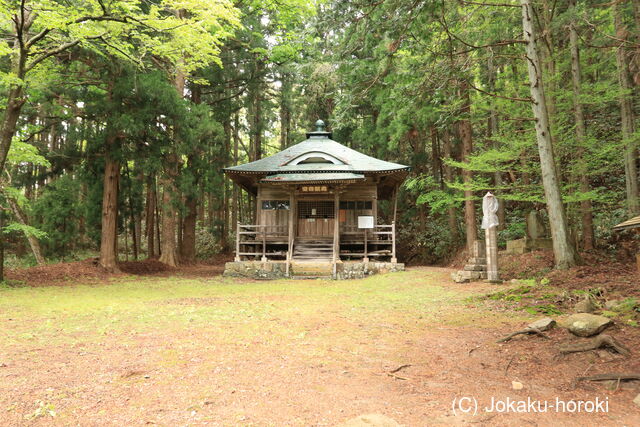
[(118, 117)]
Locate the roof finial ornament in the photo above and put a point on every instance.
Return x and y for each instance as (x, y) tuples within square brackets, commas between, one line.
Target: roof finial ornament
[(320, 126)]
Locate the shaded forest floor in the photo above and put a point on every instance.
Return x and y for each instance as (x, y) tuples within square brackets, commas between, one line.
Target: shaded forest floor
[(597, 271), (88, 270), (170, 349)]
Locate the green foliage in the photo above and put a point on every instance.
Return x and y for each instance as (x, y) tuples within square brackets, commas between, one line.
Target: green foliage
[(27, 230), (56, 213), (388, 76), (430, 193), (22, 152), (207, 244)]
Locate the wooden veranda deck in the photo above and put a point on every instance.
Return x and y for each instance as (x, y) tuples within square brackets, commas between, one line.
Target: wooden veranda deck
[(255, 242)]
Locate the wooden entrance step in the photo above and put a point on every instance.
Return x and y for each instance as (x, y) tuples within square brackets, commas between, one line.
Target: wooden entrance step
[(313, 249)]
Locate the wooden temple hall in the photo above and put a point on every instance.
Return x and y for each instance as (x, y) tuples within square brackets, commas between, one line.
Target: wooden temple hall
[(317, 212)]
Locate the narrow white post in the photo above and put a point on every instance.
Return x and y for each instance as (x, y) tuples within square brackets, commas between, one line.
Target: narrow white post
[(264, 243), (491, 239), (490, 224), (366, 249), (237, 258)]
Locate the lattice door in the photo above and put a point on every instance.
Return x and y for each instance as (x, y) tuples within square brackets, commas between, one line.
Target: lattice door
[(316, 218)]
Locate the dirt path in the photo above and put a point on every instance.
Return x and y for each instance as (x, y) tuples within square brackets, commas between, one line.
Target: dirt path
[(217, 352)]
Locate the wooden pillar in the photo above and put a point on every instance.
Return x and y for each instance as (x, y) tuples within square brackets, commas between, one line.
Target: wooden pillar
[(395, 204), (264, 242), (366, 251), (237, 258), (394, 260), (336, 230), (292, 202)]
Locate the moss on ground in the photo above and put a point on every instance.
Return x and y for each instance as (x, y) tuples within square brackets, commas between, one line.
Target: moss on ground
[(275, 311)]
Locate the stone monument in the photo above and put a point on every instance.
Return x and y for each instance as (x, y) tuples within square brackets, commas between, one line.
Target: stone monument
[(490, 224), (537, 236)]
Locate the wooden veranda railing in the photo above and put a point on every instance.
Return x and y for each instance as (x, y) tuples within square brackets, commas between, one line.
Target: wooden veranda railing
[(252, 239), (379, 241)]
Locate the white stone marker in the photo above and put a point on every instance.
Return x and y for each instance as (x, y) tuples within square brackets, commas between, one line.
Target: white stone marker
[(489, 224)]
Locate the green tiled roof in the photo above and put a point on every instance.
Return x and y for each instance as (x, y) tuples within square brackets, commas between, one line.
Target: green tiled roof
[(313, 177), (353, 161)]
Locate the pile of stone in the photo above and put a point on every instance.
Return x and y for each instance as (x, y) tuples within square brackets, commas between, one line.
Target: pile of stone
[(476, 266)]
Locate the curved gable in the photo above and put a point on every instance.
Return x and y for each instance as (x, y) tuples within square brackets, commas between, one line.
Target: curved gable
[(315, 157)]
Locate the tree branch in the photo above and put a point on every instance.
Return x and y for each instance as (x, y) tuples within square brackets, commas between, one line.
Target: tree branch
[(490, 4), (500, 96), (51, 53)]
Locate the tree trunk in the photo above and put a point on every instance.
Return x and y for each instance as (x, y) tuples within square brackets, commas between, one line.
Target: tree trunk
[(15, 101), (236, 192), (170, 224), (1, 247), (492, 133), (137, 215), (256, 123), (466, 136), (448, 175), (168, 253), (224, 233), (285, 111), (548, 60), (22, 219), (150, 215), (109, 230), (627, 114), (563, 250), (436, 160), (576, 75), (188, 248)]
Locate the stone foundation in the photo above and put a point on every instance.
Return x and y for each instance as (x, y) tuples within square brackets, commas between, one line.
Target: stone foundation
[(255, 269), (359, 270), (278, 269)]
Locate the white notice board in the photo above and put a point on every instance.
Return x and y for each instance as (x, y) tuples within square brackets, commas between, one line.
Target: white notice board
[(365, 221)]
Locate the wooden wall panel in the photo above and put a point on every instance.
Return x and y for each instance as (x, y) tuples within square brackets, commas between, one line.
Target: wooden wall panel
[(277, 216), (366, 191)]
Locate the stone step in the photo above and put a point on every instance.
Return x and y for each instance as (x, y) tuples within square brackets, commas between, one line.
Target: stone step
[(475, 267), (310, 268), (467, 276), (313, 257)]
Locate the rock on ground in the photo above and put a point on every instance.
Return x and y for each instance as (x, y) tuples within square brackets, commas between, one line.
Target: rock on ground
[(543, 324), (586, 325), (585, 306), (637, 400), (621, 305)]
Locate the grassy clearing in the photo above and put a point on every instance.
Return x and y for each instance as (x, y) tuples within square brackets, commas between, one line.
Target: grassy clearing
[(274, 311)]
